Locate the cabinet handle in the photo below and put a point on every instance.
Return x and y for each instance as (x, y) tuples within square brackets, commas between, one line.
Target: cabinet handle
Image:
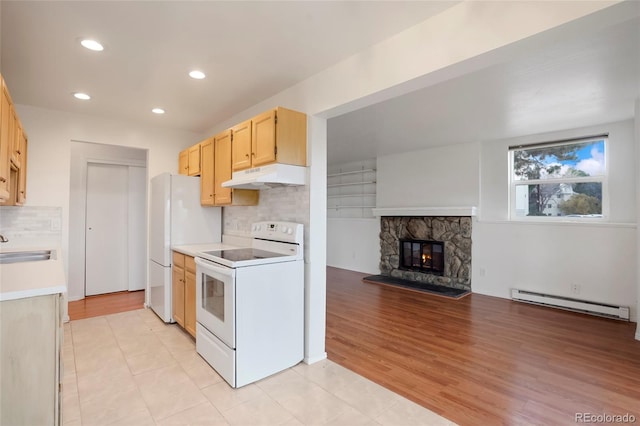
[(253, 154), (2, 179), (247, 155)]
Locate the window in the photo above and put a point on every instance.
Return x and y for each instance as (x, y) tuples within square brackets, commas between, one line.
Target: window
[(564, 179)]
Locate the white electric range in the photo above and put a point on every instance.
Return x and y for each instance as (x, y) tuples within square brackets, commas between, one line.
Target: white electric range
[(250, 304)]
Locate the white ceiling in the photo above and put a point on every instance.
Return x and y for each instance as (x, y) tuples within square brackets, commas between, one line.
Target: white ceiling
[(253, 50), (249, 51), (589, 79)]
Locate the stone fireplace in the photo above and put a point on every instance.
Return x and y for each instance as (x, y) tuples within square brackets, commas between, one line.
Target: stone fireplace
[(427, 249)]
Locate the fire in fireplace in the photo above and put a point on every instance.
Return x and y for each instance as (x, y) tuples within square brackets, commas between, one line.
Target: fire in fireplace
[(422, 256)]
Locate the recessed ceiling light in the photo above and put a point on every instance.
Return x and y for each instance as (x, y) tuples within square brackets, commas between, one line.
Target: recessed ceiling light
[(198, 75), (92, 45), (82, 96), (157, 111)]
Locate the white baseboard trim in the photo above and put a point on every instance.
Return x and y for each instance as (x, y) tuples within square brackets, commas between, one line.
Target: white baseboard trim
[(638, 331), (314, 359)]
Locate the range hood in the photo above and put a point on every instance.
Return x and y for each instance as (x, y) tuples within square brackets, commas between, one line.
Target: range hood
[(275, 174)]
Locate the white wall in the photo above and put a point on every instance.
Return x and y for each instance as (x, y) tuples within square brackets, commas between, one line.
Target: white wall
[(445, 176), (548, 258), (354, 244), (637, 157), (50, 134)]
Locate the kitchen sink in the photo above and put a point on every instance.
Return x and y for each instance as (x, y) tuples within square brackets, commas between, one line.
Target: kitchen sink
[(26, 256)]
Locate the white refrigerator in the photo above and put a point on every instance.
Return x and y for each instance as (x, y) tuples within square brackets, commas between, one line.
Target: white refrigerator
[(176, 218)]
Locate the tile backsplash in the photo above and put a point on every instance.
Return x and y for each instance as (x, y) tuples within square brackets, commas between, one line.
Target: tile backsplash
[(283, 203), (30, 225)]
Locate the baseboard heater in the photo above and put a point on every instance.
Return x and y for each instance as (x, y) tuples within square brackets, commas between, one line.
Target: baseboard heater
[(569, 304)]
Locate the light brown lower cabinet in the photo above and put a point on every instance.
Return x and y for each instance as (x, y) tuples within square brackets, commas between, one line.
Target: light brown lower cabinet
[(190, 295), (30, 360), (183, 284)]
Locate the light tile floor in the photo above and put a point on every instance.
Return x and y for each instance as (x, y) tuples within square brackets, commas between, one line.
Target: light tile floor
[(132, 369)]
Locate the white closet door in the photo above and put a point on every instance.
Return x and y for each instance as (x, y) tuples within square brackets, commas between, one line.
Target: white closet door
[(106, 264)]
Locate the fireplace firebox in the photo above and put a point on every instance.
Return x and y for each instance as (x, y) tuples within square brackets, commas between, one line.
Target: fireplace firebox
[(422, 256)]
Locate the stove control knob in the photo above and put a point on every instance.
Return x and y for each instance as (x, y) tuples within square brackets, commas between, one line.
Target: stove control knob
[(284, 229), (290, 231)]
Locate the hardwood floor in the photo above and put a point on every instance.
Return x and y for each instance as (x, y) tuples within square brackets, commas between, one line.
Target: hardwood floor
[(480, 359), (106, 304)]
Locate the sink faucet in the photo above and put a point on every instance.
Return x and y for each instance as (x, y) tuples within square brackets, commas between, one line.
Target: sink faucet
[(3, 239)]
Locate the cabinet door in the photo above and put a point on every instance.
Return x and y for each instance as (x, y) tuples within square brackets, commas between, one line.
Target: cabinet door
[(206, 172), (17, 136), (22, 173), (29, 361), (241, 146), (263, 138), (190, 302), (183, 162), (5, 143), (222, 168), (177, 284), (194, 160)]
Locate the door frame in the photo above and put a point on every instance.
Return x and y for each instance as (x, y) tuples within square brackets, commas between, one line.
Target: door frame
[(84, 155)]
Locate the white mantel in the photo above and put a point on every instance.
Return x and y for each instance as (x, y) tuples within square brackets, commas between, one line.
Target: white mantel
[(425, 211)]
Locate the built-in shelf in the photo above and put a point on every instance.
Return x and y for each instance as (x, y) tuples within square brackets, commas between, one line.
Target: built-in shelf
[(351, 190), (355, 172), (336, 185), (352, 195), (352, 207)]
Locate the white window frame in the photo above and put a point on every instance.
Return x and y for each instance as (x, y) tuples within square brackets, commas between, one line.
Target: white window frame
[(604, 179)]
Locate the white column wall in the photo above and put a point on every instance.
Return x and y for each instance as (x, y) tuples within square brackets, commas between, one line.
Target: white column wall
[(316, 261)]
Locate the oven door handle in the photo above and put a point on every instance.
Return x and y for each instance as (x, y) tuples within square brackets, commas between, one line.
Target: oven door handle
[(223, 270)]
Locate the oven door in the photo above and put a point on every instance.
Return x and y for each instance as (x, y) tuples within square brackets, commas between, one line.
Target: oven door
[(215, 300)]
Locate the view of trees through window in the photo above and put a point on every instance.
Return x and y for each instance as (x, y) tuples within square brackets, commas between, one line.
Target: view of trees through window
[(559, 179)]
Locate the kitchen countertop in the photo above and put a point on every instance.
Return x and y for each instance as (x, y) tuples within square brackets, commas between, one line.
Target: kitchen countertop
[(228, 242), (34, 278), (193, 249)]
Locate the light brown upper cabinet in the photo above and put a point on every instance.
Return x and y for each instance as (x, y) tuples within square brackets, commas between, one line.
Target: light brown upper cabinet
[(5, 142), (16, 150), (242, 146), (194, 160), (21, 193), (206, 172), (13, 152), (183, 162), (222, 168), (222, 172), (277, 136)]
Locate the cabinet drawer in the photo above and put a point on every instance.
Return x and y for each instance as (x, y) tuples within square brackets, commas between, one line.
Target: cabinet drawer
[(178, 259), (190, 264)]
